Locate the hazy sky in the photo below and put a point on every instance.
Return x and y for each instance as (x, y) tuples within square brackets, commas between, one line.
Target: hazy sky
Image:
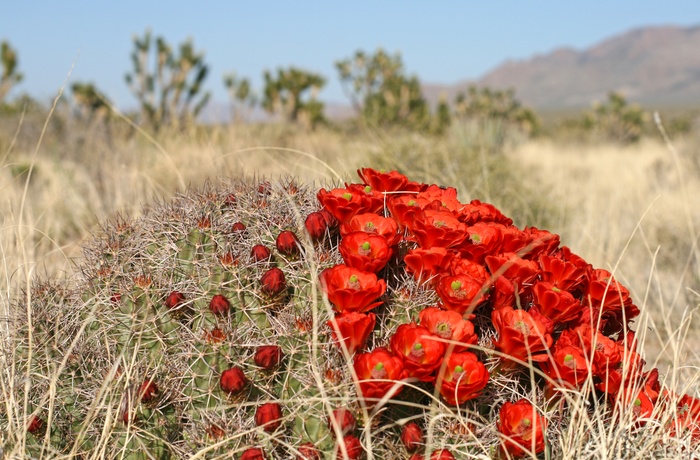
[(442, 42)]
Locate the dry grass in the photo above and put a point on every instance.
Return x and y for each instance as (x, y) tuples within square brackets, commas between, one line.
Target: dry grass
[(631, 210)]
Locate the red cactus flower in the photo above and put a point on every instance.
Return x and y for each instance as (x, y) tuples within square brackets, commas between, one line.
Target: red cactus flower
[(174, 300), (419, 350), (288, 244), (233, 380), (476, 211), (563, 274), (515, 241), (219, 305), (269, 416), (568, 366), (260, 253), (412, 436), (606, 294), (377, 372), (522, 429), (238, 227), (461, 266), (686, 419), (352, 447), (253, 453), (383, 181), (449, 325), (342, 420), (441, 198), (461, 293), (272, 282), (541, 242), (268, 356), (351, 289), (316, 226), (365, 251), (404, 208), (373, 223), (502, 293), (607, 354), (352, 329), (427, 264), (557, 305), (437, 228), (148, 391), (344, 203), (462, 378), (520, 271), (308, 451), (520, 336), (484, 239)]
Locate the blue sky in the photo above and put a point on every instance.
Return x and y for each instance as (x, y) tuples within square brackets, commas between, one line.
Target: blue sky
[(442, 42)]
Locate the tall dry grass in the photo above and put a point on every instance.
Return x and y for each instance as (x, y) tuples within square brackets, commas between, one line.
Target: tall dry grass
[(632, 210)]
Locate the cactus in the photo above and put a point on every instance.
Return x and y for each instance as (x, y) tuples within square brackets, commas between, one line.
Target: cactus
[(275, 320)]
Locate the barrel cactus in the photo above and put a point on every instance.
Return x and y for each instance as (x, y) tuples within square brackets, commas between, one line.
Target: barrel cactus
[(380, 319)]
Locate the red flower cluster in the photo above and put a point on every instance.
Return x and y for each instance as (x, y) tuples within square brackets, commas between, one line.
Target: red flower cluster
[(540, 304)]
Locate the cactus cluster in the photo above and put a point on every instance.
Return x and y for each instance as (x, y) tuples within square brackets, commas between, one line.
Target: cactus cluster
[(262, 320)]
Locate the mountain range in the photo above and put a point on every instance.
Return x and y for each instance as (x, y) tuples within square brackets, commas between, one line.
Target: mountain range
[(654, 66)]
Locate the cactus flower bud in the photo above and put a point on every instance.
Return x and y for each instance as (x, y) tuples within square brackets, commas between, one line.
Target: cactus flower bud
[(219, 305), (343, 419), (412, 436), (268, 356), (253, 453), (233, 380), (174, 300), (316, 225), (260, 253), (35, 425), (353, 448), (231, 200), (288, 244), (308, 451), (148, 391), (273, 282), (238, 227), (269, 416)]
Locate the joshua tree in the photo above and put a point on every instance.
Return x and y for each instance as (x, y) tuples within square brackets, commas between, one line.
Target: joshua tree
[(241, 96), (10, 76), (167, 84), (381, 91), (286, 94)]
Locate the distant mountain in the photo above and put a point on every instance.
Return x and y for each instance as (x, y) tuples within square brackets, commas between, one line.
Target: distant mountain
[(653, 66)]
